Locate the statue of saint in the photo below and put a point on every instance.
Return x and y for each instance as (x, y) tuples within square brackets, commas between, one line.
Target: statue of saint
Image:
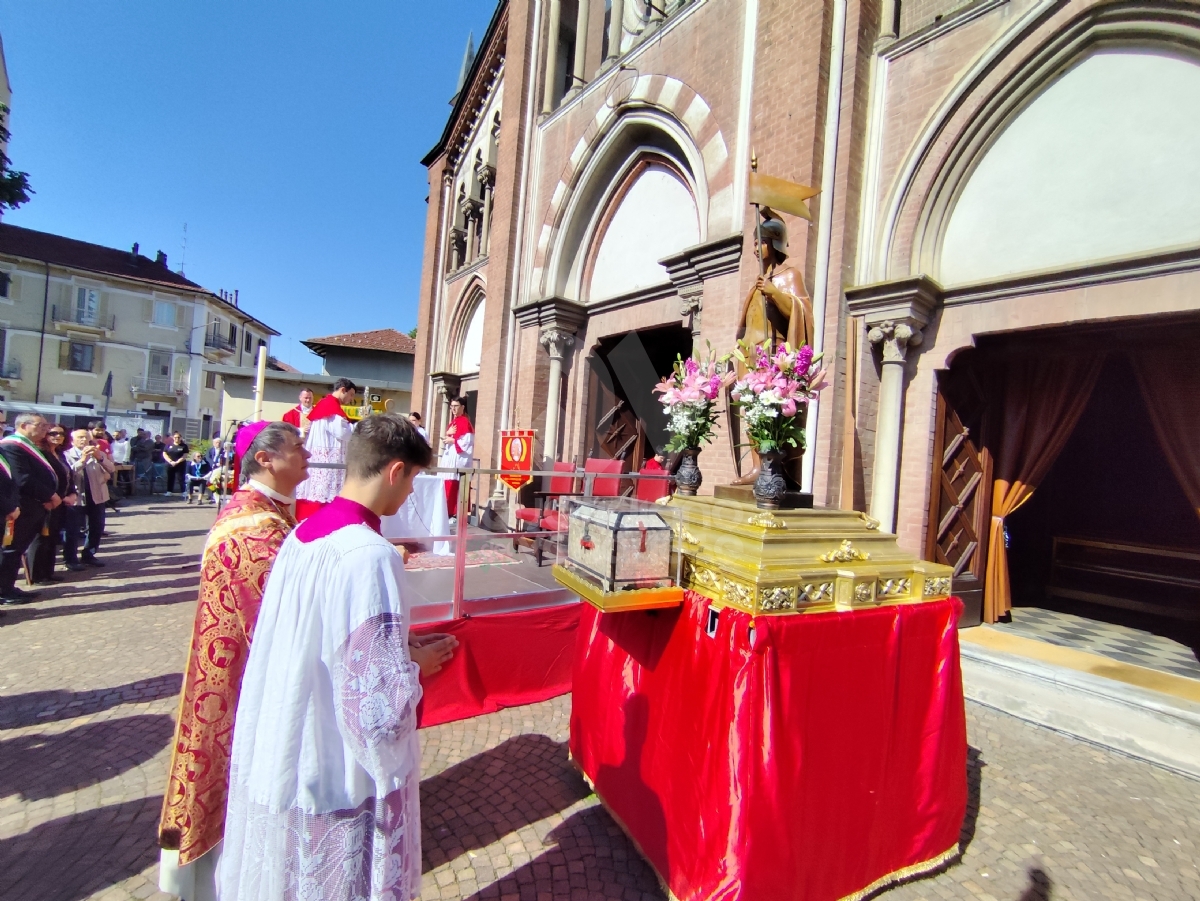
[(776, 310)]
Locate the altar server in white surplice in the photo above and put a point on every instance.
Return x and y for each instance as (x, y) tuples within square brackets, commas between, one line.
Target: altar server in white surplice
[(323, 794)]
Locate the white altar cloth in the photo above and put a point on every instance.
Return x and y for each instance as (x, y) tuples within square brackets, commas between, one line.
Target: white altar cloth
[(423, 514)]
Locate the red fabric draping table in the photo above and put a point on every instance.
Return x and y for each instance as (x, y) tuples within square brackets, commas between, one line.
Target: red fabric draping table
[(823, 755), (502, 660)]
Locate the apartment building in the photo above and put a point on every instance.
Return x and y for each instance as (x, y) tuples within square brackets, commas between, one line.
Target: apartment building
[(72, 313)]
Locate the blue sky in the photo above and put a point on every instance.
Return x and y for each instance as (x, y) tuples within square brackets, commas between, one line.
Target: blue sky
[(287, 135)]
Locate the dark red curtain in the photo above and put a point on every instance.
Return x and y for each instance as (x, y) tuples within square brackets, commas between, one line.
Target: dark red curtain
[(1169, 378), (1043, 398)]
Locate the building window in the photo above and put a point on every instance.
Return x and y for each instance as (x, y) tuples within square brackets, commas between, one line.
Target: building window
[(249, 342), (87, 307), (164, 313), (233, 335), (5, 283), (80, 357), (210, 381), (262, 343)]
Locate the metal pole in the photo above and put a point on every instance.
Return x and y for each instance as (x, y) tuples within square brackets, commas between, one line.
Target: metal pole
[(460, 544)]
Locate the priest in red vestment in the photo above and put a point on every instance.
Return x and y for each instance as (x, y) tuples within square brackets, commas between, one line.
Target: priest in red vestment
[(300, 415), (328, 432), (458, 443), (238, 555)]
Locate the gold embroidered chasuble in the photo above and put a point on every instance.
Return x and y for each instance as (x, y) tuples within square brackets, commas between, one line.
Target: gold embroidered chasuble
[(238, 556)]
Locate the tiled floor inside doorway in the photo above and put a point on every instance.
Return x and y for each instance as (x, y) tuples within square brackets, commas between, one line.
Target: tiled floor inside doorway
[(1124, 643)]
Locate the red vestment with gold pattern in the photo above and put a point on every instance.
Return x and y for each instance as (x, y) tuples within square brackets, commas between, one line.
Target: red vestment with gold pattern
[(238, 556)]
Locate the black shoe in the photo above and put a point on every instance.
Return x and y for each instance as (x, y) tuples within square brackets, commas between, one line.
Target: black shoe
[(75, 567), (16, 596), (89, 560)]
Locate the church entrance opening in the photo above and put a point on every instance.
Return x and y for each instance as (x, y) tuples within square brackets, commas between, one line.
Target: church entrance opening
[(626, 419), (1104, 553)]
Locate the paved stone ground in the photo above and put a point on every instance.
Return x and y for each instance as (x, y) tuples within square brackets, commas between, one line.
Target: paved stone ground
[(88, 683)]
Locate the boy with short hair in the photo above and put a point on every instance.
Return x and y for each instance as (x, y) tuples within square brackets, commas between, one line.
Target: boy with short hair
[(323, 798)]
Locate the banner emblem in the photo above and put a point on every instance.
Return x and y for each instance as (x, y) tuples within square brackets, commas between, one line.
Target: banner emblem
[(516, 457)]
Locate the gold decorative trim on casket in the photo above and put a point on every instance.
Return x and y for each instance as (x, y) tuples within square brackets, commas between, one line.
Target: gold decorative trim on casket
[(846, 552)]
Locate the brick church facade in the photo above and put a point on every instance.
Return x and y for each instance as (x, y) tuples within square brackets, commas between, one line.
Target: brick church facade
[(1002, 183)]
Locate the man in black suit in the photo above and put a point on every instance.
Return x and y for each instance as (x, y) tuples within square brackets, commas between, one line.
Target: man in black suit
[(37, 485)]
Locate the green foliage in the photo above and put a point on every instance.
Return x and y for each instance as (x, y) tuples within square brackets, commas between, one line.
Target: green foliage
[(14, 185), (412, 332)]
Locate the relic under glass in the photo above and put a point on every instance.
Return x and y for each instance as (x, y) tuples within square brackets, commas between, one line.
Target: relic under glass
[(619, 548)]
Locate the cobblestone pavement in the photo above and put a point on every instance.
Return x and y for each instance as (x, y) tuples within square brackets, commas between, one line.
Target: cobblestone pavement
[(88, 682)]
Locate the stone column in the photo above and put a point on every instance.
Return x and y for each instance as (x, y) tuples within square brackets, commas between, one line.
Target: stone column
[(470, 211), (615, 27), (894, 339), (552, 35), (558, 343), (581, 36), (487, 179), (445, 385)]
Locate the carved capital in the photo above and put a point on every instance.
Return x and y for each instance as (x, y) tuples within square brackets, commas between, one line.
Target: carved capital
[(691, 301), (470, 208), (486, 175), (894, 339), (557, 342)]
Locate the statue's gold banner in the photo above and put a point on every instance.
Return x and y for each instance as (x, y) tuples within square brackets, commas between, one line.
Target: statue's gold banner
[(780, 194)]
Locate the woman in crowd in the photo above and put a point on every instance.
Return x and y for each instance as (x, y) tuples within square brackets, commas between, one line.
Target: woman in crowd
[(238, 555), (40, 556)]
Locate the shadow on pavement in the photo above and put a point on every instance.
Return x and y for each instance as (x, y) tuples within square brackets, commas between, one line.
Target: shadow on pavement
[(75, 856), (474, 803), (185, 595), (590, 857), (44, 765), (36, 707)]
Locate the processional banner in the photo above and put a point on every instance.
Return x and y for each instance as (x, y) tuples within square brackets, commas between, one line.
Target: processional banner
[(516, 457)]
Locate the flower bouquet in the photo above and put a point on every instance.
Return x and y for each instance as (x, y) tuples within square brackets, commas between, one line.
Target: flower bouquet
[(689, 398), (773, 394)]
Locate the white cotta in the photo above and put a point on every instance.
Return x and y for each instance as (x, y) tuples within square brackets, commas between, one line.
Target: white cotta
[(459, 456), (326, 442), (323, 794)]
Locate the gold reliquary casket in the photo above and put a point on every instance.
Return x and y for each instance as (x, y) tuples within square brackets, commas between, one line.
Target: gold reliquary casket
[(798, 561), (619, 553)]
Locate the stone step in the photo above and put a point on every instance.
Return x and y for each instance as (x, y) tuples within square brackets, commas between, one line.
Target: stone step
[(1138, 711)]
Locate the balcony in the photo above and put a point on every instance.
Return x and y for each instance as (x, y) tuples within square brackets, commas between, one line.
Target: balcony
[(219, 342), (74, 319), (157, 387)]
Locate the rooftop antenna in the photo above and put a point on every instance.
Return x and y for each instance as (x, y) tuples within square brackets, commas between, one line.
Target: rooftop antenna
[(183, 256)]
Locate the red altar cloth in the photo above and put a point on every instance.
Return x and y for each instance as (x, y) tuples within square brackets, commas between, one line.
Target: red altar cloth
[(826, 758), (502, 660)]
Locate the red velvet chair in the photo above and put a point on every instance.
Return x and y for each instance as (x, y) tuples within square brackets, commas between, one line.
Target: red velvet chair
[(652, 489), (546, 515), (604, 487)]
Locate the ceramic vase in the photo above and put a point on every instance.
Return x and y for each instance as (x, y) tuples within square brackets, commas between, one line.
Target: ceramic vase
[(688, 476)]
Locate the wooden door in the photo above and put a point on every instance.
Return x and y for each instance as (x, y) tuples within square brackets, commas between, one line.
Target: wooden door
[(960, 491)]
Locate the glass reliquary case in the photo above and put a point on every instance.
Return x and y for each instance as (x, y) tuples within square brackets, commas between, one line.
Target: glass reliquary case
[(620, 553)]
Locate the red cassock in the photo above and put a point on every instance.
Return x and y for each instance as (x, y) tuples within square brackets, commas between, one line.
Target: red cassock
[(292, 416), (818, 758)]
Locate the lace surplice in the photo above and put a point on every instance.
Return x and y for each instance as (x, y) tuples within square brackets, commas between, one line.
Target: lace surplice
[(372, 851)]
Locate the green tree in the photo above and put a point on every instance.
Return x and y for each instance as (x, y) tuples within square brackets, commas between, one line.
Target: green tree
[(14, 185), (412, 332)]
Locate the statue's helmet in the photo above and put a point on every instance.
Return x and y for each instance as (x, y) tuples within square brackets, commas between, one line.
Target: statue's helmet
[(773, 230)]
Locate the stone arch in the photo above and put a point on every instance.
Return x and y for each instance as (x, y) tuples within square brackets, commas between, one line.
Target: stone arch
[(1001, 85), (654, 112), (468, 312)]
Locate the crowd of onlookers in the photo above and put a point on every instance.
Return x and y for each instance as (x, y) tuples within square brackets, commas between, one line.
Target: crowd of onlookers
[(57, 486)]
